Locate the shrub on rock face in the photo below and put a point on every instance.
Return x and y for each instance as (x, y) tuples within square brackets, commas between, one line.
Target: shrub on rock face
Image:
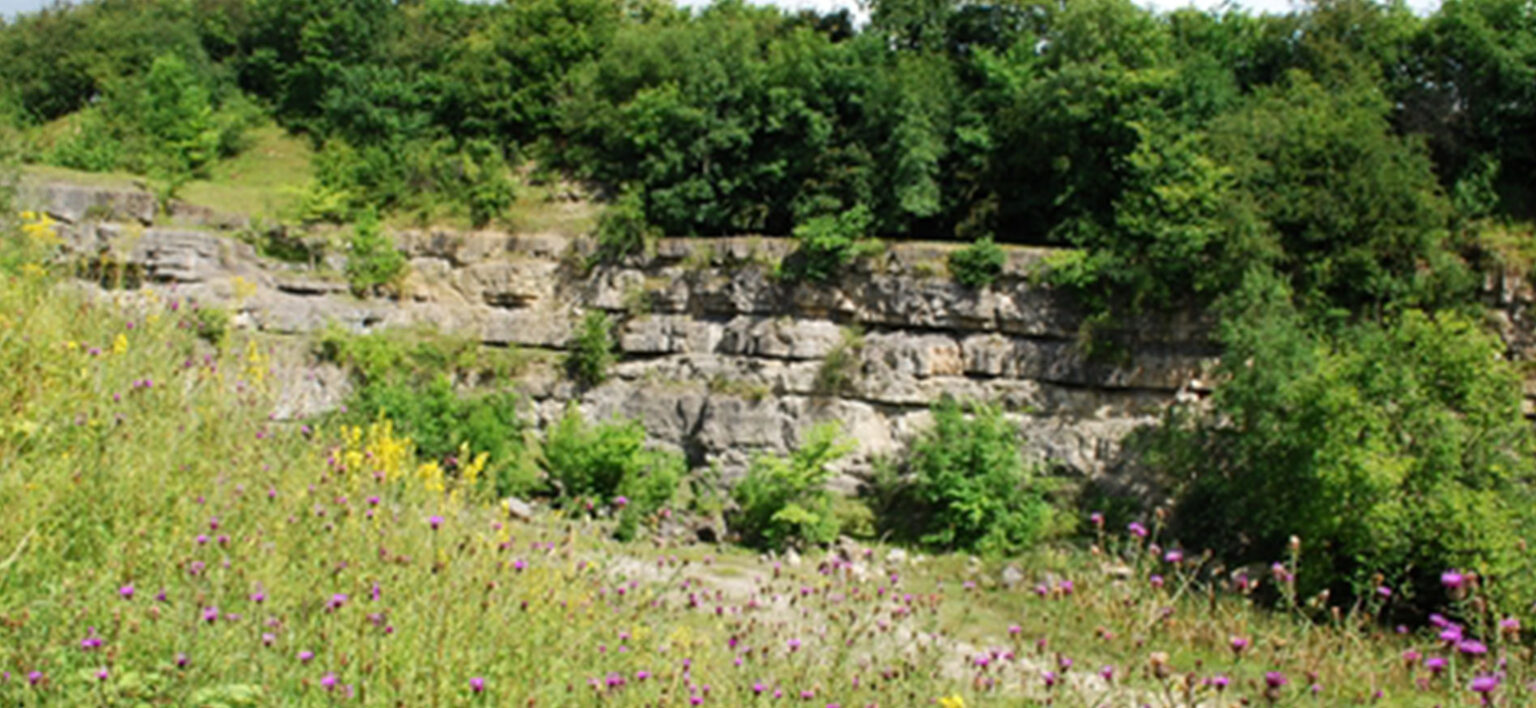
[(591, 350), (372, 260), (828, 243), (609, 464), (784, 501), (977, 265), (622, 230), (966, 485)]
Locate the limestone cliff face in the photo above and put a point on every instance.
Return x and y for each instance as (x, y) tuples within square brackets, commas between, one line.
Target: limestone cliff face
[(718, 357)]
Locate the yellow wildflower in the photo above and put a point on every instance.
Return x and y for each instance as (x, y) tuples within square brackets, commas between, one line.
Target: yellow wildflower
[(120, 345), (955, 701)]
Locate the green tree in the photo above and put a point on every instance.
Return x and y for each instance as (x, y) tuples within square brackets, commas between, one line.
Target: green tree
[(1356, 215), (1396, 447), (179, 119)]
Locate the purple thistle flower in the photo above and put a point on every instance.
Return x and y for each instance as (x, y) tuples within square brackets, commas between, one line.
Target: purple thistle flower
[(477, 684), (1452, 579), (1174, 556), (1239, 644), (126, 591), (1049, 677), (305, 656), (1485, 684), (182, 661), (1219, 681), (328, 682), (1471, 647), (35, 677), (210, 614), (102, 674), (435, 522), (336, 602), (1137, 529), (1275, 679), (1435, 664)]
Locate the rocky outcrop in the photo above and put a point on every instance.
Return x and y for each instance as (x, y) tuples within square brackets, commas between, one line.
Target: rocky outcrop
[(720, 358)]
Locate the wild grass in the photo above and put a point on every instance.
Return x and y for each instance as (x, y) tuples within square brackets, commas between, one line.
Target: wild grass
[(165, 542), (258, 182)]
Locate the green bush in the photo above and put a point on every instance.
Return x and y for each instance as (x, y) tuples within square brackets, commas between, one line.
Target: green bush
[(965, 486), (372, 260), (828, 243), (606, 462), (784, 501), (444, 425), (840, 368), (429, 179), (212, 324), (591, 350), (1396, 448), (484, 178), (410, 378), (622, 230), (977, 265), (89, 144)]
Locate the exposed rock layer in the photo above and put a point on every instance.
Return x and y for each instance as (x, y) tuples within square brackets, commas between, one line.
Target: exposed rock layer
[(720, 358)]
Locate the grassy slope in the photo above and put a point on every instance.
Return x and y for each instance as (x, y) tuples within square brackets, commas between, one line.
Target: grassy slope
[(263, 180), (267, 179), (139, 457)]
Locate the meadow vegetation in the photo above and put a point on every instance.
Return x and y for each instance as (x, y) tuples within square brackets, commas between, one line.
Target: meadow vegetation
[(1332, 187), (168, 542)]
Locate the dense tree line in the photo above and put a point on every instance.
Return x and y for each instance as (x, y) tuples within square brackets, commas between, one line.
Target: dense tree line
[(1329, 181)]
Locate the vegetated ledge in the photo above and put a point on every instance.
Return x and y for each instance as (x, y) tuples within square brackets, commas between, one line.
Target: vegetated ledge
[(719, 356)]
